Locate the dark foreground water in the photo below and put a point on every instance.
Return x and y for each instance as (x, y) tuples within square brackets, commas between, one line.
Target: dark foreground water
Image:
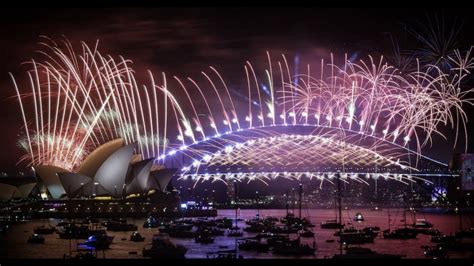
[(14, 244)]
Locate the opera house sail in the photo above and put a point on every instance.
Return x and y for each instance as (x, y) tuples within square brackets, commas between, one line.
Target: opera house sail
[(112, 170)]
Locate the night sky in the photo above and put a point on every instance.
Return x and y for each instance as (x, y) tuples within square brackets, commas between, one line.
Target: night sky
[(184, 42)]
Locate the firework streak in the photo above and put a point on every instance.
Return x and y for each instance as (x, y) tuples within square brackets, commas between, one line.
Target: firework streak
[(74, 102)]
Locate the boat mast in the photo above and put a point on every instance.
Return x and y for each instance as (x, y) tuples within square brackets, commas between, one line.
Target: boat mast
[(293, 200), (335, 204), (340, 211), (258, 208), (235, 202), (460, 218), (404, 211), (388, 209), (300, 199), (413, 204), (236, 216)]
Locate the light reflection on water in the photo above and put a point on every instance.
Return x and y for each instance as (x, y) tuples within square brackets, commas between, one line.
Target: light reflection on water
[(14, 244)]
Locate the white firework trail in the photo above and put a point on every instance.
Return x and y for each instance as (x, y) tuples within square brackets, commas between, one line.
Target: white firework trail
[(81, 100)]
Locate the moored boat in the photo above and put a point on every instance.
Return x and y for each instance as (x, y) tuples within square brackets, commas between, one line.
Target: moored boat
[(235, 233), (254, 245), (36, 239), (99, 241), (358, 237), (331, 224), (43, 230), (307, 233), (364, 253), (422, 223), (401, 233), (137, 237), (358, 217), (116, 226), (163, 248), (204, 239), (293, 248)]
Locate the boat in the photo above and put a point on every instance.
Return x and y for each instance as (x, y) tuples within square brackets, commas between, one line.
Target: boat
[(307, 233), (258, 228), (215, 231), (346, 230), (358, 217), (297, 222), (431, 232), (43, 230), (91, 220), (358, 237), (204, 239), (254, 245), (204, 222), (36, 239), (443, 238), (422, 223), (182, 234), (4, 228), (277, 239), (271, 218), (255, 220), (401, 233), (179, 227), (235, 233), (371, 230), (116, 226), (150, 222), (223, 255), (136, 237), (293, 248), (376, 208), (99, 241), (163, 248), (83, 252), (265, 235), (364, 253), (331, 224), (212, 231), (284, 230), (224, 223), (74, 231), (303, 250), (119, 220), (62, 223), (291, 220), (85, 256), (437, 252)]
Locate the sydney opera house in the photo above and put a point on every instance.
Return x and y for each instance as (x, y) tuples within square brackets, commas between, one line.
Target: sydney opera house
[(111, 173)]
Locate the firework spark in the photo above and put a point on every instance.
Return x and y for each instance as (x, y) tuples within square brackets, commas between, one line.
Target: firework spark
[(81, 100)]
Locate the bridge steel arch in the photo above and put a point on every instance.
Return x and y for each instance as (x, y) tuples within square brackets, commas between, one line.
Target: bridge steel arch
[(309, 151)]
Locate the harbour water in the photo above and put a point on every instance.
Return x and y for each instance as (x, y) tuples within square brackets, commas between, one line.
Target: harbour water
[(14, 243)]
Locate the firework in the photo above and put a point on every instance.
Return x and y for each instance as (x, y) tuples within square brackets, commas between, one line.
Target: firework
[(85, 99)]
